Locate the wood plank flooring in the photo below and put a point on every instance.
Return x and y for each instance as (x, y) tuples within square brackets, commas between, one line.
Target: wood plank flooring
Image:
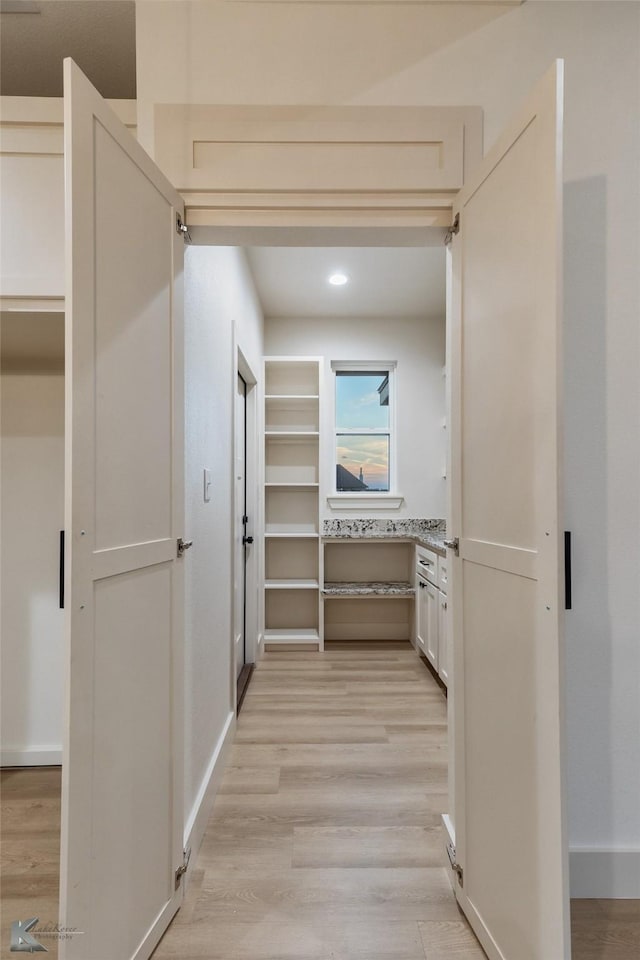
[(325, 842), (29, 851)]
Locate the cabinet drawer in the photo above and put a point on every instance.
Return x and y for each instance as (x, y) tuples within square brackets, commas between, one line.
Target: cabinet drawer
[(442, 574), (427, 563)]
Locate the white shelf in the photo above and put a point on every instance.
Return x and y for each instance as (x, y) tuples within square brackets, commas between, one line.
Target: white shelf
[(291, 436), (291, 584), (306, 397), (291, 529), (291, 636), (291, 532), (297, 483)]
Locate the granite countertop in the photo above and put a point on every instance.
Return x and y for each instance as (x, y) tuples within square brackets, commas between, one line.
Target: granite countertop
[(426, 533), (368, 589)]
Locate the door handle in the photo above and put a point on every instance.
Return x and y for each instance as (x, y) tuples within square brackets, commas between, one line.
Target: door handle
[(247, 540), (61, 575)]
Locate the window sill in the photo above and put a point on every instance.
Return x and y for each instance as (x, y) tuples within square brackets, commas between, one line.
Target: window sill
[(350, 501)]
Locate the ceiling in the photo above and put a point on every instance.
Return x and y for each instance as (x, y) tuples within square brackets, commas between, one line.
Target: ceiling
[(384, 282), (100, 35)]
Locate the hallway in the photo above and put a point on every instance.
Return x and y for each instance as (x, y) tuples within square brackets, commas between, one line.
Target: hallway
[(326, 842)]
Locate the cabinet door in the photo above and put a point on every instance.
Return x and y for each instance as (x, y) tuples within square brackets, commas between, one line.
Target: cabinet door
[(507, 581), (122, 785), (444, 657), (431, 619), (421, 616)]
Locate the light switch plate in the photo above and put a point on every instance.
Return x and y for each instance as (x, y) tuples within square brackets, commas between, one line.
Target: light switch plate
[(207, 485)]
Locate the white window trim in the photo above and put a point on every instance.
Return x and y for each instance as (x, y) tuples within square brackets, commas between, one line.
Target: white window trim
[(390, 500)]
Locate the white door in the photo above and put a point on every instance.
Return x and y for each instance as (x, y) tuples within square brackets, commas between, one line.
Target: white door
[(122, 763), (240, 551), (508, 603)]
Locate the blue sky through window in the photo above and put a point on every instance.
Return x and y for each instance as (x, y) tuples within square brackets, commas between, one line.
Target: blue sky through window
[(365, 455)]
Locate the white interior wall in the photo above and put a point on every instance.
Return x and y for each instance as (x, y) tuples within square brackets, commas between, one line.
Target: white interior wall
[(221, 311), (416, 54), (32, 515), (418, 347)]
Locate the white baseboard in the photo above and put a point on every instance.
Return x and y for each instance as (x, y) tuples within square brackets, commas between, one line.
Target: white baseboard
[(31, 757), (604, 874), (196, 823), (448, 825)]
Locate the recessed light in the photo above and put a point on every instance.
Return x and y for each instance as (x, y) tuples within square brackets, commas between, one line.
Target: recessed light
[(338, 279)]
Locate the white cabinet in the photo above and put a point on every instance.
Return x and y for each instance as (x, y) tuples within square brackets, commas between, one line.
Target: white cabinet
[(444, 639), (422, 616), (444, 652), (431, 633), (291, 501), (432, 602)]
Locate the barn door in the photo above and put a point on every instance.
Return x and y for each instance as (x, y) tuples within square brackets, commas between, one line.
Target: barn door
[(505, 510), (122, 762)]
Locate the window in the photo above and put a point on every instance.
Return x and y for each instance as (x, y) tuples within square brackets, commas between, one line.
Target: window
[(363, 444)]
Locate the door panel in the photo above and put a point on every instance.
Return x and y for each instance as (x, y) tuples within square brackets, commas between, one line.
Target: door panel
[(240, 580), (122, 765), (505, 510)]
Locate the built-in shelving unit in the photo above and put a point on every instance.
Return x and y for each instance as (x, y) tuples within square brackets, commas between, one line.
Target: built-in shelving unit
[(292, 559), (368, 589)]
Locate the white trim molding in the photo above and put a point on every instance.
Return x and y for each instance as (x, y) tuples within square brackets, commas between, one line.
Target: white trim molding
[(350, 501), (605, 873), (200, 812), (31, 756)]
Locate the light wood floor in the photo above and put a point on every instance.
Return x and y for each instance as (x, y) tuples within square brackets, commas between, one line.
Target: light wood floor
[(29, 851), (325, 842)]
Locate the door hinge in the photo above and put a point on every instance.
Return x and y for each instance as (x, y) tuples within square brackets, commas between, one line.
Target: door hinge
[(453, 230), (182, 229), (182, 869), (455, 866), (183, 546), (453, 545)]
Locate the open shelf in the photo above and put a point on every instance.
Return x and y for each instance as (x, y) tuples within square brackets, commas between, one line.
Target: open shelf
[(291, 584), (291, 415), (296, 484), (290, 436), (290, 535), (292, 603), (290, 399), (292, 377), (368, 618), (372, 590), (291, 636), (368, 590)]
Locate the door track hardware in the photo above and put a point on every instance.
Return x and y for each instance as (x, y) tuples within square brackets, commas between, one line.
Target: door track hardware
[(182, 869), (453, 230), (183, 229), (455, 866)]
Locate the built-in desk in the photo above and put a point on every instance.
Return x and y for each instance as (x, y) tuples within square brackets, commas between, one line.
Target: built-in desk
[(368, 585)]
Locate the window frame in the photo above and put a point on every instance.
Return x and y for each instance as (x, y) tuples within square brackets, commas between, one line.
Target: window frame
[(374, 499)]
